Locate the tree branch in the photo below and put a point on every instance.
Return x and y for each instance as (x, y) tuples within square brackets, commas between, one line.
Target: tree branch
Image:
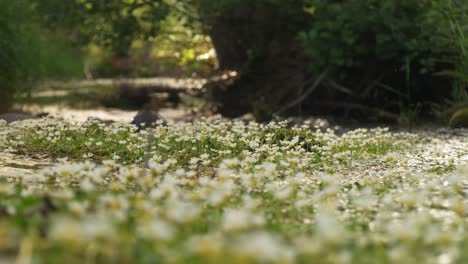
[(306, 94), (339, 87)]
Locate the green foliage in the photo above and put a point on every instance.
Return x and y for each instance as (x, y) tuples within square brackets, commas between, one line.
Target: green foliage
[(177, 50), (389, 55), (387, 51), (28, 53), (57, 58), (344, 36), (459, 118), (456, 14), (16, 52), (181, 48), (114, 24)]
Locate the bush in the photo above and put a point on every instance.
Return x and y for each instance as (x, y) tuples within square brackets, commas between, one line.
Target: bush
[(459, 118), (28, 53), (15, 56), (386, 52)]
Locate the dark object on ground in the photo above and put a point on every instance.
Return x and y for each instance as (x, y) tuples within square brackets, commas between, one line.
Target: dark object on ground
[(133, 97), (459, 118), (174, 99), (42, 114), (134, 94), (146, 118), (20, 115), (12, 117)]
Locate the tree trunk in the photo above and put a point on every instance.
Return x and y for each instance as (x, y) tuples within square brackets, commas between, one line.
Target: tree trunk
[(258, 39), (6, 100), (121, 65)]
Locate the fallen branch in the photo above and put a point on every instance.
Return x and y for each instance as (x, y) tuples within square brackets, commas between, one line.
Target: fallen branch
[(391, 89), (339, 87), (362, 107), (306, 94)]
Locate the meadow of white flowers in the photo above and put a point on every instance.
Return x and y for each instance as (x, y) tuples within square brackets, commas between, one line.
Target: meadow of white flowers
[(229, 192)]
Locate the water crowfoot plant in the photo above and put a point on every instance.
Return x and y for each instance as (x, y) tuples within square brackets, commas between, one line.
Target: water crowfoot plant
[(228, 192)]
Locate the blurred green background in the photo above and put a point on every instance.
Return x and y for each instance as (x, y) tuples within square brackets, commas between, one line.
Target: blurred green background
[(391, 60)]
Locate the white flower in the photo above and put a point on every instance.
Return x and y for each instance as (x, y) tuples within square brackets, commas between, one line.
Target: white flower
[(66, 229), (230, 163), (283, 193), (77, 208), (240, 219), (390, 157), (182, 212), (87, 186), (155, 168), (328, 228), (157, 229), (263, 247), (71, 230), (208, 245)]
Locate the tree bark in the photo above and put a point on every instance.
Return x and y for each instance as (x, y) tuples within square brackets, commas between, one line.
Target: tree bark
[(258, 39), (6, 101)]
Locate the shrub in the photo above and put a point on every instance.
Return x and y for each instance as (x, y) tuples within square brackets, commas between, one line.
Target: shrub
[(15, 56), (28, 53), (459, 118), (386, 52)]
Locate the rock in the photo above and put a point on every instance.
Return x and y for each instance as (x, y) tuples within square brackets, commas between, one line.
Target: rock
[(459, 118)]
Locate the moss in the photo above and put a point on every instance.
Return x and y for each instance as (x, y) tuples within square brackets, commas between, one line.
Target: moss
[(459, 118)]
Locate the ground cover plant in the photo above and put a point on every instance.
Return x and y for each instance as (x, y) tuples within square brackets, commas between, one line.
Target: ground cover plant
[(231, 192)]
